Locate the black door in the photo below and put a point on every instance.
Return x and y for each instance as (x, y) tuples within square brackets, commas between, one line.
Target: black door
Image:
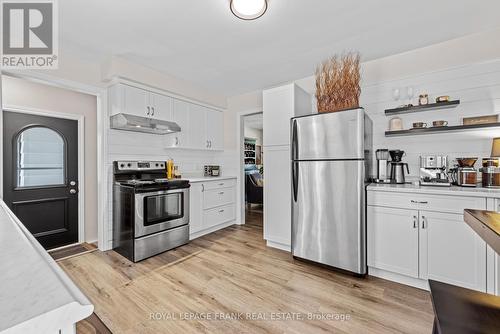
[(40, 173)]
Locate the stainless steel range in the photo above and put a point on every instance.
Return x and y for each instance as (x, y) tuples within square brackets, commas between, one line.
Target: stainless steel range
[(150, 212)]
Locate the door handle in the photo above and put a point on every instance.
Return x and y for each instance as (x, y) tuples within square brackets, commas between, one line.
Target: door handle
[(295, 179), (423, 222), (149, 111), (72, 191), (72, 183), (295, 143), (415, 224)]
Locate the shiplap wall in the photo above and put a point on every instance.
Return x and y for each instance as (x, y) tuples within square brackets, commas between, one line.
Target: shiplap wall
[(478, 88), (126, 145)]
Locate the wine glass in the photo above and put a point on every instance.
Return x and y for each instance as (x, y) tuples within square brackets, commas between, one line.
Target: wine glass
[(410, 93)]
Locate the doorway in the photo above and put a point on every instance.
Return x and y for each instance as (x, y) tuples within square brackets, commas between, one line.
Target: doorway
[(253, 168), (40, 175)]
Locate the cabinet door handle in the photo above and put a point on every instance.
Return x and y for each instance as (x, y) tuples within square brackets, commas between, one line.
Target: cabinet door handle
[(176, 141), (149, 110), (221, 193), (419, 202), (221, 211), (207, 144), (423, 222), (202, 187), (415, 224), (221, 184), (424, 202), (152, 111), (210, 143)]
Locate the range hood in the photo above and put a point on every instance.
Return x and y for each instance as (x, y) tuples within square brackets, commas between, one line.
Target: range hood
[(134, 123)]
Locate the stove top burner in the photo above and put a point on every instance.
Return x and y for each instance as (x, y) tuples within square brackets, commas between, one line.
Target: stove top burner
[(160, 183), (138, 182)]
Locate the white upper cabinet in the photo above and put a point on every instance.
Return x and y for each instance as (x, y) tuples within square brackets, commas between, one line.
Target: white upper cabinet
[(198, 131), (161, 106), (180, 115), (215, 129), (140, 102), (279, 105), (202, 128)]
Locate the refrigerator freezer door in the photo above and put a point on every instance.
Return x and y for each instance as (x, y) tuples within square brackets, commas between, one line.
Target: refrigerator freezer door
[(329, 136), (328, 219)]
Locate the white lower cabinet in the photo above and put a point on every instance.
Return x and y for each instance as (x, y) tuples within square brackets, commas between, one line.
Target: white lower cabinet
[(412, 246), (277, 197), (451, 252), (212, 206), (393, 240)]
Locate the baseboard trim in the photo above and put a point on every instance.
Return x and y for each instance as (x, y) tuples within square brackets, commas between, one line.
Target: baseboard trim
[(398, 278), (278, 245), (211, 229)]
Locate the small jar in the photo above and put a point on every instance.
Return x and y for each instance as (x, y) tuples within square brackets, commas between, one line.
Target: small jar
[(423, 99)]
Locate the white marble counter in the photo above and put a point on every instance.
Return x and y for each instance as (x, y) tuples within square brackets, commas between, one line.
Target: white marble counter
[(453, 190), (36, 296), (208, 178)]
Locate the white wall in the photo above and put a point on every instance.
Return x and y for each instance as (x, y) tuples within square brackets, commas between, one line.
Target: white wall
[(467, 68), (30, 95)]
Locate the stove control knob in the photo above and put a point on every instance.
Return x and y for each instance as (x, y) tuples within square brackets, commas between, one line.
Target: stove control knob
[(129, 165), (122, 165), (156, 165)]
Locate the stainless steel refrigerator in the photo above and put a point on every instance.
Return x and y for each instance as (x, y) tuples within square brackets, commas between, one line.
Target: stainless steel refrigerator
[(331, 155)]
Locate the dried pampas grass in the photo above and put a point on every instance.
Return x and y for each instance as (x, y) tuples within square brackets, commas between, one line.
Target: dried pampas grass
[(338, 83)]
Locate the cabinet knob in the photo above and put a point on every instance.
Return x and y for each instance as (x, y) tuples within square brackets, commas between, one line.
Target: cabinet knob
[(149, 110)]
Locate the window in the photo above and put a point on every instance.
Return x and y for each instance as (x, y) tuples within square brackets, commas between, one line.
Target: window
[(40, 158)]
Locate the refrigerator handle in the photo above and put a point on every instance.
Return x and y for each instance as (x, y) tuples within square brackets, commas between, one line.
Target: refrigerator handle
[(295, 143), (295, 179)]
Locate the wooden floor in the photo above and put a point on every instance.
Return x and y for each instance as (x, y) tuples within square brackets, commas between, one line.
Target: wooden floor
[(232, 271)]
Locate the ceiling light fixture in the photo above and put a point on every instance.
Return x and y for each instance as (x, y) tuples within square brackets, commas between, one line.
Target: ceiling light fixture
[(248, 9)]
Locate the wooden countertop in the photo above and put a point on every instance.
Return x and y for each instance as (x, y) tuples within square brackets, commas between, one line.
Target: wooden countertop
[(459, 310), (486, 224)]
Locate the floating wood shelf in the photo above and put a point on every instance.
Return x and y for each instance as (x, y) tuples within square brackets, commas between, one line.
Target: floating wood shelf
[(441, 129), (425, 107)]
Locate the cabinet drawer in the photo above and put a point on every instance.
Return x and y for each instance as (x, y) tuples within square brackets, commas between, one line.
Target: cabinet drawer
[(219, 184), (217, 197), (219, 215), (438, 203)]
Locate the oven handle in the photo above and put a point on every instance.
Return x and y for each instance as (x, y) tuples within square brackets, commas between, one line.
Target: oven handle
[(161, 192)]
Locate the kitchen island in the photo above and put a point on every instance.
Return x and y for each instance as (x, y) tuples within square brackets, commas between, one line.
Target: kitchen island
[(36, 296)]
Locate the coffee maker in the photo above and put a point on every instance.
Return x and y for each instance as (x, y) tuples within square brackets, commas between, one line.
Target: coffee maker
[(382, 156), (398, 167), (434, 171)]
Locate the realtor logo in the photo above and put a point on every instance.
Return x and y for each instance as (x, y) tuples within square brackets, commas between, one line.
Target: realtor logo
[(30, 37)]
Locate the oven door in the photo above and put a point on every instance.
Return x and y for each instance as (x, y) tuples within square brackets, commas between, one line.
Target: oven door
[(160, 211)]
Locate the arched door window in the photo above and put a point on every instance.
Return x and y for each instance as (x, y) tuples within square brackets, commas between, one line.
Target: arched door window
[(40, 158)]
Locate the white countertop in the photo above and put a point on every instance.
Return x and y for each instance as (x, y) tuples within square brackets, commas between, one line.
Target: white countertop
[(453, 190), (208, 178), (36, 296)]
